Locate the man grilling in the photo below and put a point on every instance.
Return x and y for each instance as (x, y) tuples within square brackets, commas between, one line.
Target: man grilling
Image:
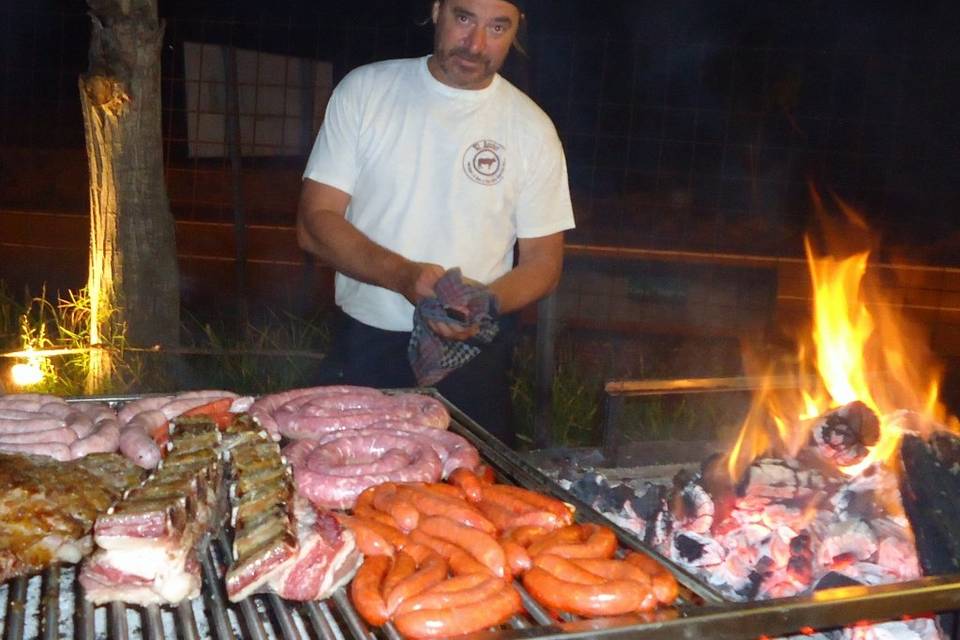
[(425, 177)]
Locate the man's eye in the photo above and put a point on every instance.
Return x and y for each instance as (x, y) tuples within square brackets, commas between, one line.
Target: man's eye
[(462, 19), (499, 28)]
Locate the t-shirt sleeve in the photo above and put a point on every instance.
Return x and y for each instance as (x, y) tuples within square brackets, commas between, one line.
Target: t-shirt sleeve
[(333, 160), (543, 204)]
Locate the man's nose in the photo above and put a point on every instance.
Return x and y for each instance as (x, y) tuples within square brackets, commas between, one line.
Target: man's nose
[(477, 40)]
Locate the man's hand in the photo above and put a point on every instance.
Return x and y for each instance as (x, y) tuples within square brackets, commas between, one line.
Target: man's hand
[(424, 276)]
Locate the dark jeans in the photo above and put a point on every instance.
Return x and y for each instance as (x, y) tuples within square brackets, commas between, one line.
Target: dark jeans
[(365, 355)]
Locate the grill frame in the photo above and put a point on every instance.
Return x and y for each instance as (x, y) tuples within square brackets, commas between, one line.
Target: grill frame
[(702, 611)]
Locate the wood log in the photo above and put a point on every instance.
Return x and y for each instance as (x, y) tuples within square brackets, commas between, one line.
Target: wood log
[(929, 485)]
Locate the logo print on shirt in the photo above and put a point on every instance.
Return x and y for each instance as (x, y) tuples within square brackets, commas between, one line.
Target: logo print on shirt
[(484, 162)]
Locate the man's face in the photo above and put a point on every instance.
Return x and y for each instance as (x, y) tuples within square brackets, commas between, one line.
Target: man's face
[(471, 40)]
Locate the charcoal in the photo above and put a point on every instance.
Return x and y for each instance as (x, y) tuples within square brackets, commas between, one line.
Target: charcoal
[(614, 498), (929, 484), (650, 502), (800, 564), (761, 572), (696, 550), (570, 472), (589, 487), (844, 435), (693, 508), (834, 579)]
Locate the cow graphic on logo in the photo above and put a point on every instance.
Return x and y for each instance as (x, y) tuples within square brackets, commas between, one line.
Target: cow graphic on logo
[(484, 162)]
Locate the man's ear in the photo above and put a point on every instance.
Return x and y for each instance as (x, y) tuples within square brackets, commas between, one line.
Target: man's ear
[(435, 12)]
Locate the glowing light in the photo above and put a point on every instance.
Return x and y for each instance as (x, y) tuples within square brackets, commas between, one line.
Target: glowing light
[(26, 374)]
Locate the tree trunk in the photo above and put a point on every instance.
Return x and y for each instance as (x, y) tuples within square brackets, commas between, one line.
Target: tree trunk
[(133, 280)]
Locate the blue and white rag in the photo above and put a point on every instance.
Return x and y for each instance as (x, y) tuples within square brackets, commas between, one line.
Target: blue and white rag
[(459, 302)]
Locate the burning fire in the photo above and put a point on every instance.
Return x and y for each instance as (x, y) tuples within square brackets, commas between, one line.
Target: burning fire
[(860, 348)]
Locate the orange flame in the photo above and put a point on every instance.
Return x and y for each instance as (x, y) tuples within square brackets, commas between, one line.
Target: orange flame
[(860, 348)]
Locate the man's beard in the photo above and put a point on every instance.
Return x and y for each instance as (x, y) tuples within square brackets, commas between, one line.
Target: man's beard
[(445, 60)]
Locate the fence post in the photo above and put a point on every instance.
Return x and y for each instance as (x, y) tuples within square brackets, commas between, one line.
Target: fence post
[(545, 370), (233, 141)]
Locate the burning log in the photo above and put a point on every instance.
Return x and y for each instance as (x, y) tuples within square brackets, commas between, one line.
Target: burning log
[(929, 484), (844, 435)]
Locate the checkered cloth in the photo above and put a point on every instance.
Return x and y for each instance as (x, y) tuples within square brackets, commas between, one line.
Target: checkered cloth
[(433, 357)]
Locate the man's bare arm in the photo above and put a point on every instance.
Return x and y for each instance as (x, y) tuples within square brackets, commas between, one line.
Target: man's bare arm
[(323, 230), (536, 274)]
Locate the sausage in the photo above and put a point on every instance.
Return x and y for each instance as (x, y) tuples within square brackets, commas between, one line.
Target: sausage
[(500, 516), (453, 592), (433, 504), (479, 544), (31, 425), (518, 560), (178, 405), (131, 409), (56, 450), (369, 541), (391, 461), (429, 571), (536, 501), (620, 570), (608, 598), (63, 435), (137, 444), (457, 620), (577, 541), (404, 565), (340, 492), (388, 499), (665, 586), (525, 535), (469, 483), (370, 513), (461, 563), (365, 590), (459, 451), (263, 409)]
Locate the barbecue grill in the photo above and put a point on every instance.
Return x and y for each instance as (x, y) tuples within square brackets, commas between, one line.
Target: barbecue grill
[(51, 605)]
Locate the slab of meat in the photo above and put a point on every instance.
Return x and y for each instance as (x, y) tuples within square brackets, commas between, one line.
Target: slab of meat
[(281, 542), (148, 543), (47, 508), (328, 557)]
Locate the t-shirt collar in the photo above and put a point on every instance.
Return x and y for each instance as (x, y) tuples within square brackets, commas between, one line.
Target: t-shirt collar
[(464, 94)]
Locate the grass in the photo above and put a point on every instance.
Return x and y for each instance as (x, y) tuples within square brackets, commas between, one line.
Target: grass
[(276, 352), (576, 396)]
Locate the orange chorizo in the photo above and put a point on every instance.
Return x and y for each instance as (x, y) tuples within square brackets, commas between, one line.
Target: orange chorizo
[(365, 590), (457, 620), (479, 544), (665, 586), (369, 542), (537, 501), (468, 482), (430, 571), (389, 500), (578, 541), (610, 598), (435, 504)]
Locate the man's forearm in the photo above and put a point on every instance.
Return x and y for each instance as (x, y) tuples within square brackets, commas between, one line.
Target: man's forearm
[(335, 241), (524, 285)]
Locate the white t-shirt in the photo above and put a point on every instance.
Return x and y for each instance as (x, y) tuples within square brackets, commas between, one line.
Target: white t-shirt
[(438, 174)]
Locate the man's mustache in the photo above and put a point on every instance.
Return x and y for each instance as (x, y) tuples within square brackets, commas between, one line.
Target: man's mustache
[(466, 55)]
